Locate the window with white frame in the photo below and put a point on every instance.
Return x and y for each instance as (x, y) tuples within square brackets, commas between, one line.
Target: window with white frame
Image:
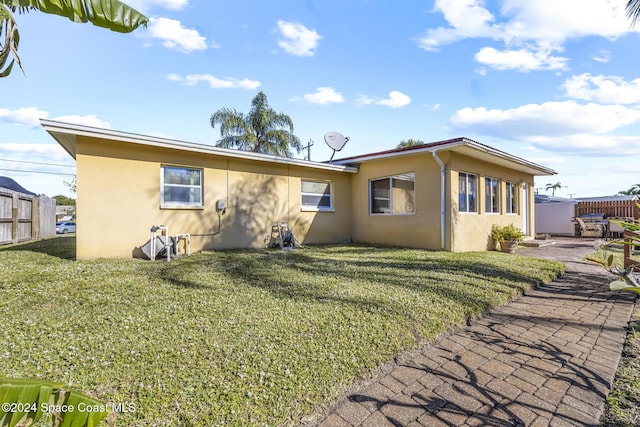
[(467, 192), (491, 195), (394, 195), (316, 195), (181, 187), (512, 197)]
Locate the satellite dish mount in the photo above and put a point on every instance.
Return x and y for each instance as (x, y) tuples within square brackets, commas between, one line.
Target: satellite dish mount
[(336, 141)]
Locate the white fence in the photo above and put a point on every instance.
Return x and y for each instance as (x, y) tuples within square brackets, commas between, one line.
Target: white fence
[(25, 217), (555, 218)]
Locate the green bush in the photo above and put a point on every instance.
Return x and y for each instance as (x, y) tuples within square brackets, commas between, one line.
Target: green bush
[(503, 233)]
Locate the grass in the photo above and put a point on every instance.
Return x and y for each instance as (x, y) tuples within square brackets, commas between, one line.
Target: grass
[(623, 402), (237, 337)]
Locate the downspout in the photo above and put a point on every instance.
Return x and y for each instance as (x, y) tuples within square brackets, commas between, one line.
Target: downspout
[(443, 171)]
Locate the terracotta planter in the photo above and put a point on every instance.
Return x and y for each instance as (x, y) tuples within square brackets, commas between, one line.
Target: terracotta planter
[(508, 246)]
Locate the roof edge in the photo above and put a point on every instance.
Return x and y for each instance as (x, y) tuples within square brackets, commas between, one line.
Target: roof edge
[(58, 129), (450, 144)]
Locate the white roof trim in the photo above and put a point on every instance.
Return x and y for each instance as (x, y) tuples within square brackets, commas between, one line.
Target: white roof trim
[(66, 133), (452, 146)]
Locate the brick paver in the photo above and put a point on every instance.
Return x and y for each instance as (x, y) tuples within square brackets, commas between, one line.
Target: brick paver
[(547, 358)]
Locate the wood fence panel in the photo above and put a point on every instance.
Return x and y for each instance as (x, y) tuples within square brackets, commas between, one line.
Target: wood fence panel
[(26, 217), (46, 217), (614, 208), (23, 207), (24, 231), (6, 218), (629, 237)]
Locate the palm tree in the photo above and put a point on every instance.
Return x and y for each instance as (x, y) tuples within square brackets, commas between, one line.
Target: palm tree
[(409, 143), (111, 14), (553, 187), (633, 190), (263, 130), (633, 11)]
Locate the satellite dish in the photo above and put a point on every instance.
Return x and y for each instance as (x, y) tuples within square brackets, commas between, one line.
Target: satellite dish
[(336, 141)]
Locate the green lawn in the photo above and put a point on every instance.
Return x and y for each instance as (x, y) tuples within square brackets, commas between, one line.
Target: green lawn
[(623, 402), (236, 337)]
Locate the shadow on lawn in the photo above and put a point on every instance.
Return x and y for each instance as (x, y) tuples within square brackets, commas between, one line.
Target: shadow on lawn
[(515, 366), (301, 275), (63, 246)]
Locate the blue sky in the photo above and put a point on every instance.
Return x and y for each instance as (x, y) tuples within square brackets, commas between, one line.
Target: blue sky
[(554, 82)]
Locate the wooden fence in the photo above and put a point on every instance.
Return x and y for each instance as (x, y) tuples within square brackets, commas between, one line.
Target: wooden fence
[(629, 238), (614, 208), (26, 217)]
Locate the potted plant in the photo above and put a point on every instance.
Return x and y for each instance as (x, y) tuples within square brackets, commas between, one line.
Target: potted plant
[(507, 236)]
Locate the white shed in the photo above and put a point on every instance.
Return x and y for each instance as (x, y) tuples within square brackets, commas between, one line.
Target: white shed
[(554, 215)]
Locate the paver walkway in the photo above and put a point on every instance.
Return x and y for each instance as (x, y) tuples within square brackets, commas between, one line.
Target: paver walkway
[(547, 358)]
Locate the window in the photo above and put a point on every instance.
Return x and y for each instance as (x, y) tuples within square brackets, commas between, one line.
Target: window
[(316, 195), (393, 195), (181, 187), (467, 192), (512, 198), (492, 195)]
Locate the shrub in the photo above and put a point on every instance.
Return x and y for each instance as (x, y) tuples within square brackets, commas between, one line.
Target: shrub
[(509, 232)]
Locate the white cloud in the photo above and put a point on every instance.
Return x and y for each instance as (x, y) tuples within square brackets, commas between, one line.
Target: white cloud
[(468, 19), (363, 100), (324, 96), (521, 59), (602, 56), (30, 117), (174, 36), (548, 160), (560, 127), (298, 40), (145, 5), (51, 152), (539, 28), (214, 82), (90, 120), (25, 116), (604, 89), (551, 118), (587, 145), (396, 100)]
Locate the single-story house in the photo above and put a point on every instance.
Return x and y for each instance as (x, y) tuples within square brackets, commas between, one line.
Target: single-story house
[(441, 196)]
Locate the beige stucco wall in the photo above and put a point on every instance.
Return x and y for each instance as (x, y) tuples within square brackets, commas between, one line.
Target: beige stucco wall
[(420, 229), (118, 192), (463, 231), (471, 231)]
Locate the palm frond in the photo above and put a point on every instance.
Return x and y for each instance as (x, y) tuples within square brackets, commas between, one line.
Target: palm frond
[(111, 14), (9, 47), (633, 11), (262, 130)]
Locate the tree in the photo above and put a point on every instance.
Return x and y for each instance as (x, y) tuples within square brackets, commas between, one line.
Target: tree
[(409, 143), (64, 200), (263, 130), (553, 187), (111, 14), (633, 11), (633, 190), (71, 185)]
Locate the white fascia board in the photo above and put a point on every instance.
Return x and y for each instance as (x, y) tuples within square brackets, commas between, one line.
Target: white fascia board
[(530, 167), (65, 134)]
